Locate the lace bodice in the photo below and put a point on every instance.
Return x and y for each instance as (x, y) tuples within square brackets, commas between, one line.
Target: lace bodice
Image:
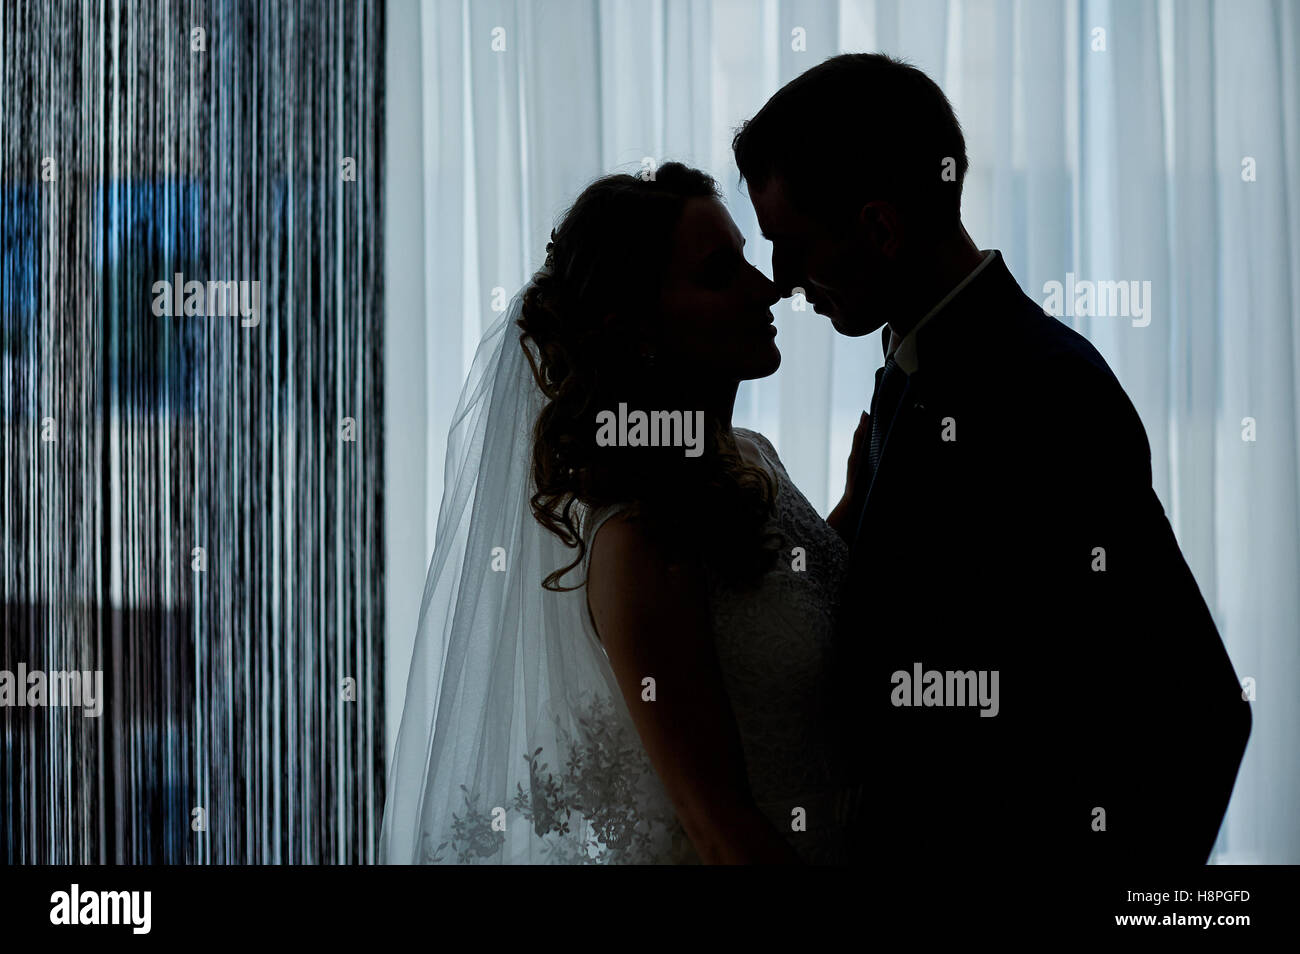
[(774, 648), (773, 643)]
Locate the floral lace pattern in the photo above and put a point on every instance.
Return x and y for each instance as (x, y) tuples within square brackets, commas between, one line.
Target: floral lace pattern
[(607, 806)]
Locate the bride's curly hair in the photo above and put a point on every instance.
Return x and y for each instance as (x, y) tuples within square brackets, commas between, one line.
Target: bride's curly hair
[(583, 320)]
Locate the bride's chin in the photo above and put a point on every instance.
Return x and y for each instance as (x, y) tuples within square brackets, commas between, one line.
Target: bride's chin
[(771, 364)]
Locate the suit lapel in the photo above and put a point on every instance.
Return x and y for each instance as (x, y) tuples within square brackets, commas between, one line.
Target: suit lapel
[(897, 446), (951, 341), (898, 439)]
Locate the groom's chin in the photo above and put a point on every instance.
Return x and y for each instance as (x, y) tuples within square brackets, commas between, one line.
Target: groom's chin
[(848, 326), (852, 329)]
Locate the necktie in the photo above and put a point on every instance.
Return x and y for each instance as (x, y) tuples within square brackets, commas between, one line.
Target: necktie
[(890, 381)]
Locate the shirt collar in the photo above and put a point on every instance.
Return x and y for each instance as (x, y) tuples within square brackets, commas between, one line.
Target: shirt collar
[(904, 350)]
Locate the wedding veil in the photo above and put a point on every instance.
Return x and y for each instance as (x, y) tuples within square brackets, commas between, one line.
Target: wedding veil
[(515, 744)]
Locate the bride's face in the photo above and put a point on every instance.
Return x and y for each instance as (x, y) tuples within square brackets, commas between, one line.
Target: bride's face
[(716, 319)]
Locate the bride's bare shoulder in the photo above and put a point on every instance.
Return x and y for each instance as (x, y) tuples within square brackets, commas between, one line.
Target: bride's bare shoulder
[(634, 590), (625, 556), (623, 538)]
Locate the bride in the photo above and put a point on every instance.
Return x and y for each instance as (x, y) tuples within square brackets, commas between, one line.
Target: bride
[(624, 650)]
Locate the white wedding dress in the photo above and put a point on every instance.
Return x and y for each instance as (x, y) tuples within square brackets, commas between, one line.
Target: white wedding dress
[(516, 745), (773, 645)]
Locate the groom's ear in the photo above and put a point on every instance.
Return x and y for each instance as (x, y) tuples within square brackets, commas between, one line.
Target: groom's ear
[(880, 225)]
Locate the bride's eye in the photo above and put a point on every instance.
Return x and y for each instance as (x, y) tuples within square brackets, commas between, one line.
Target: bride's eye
[(719, 270)]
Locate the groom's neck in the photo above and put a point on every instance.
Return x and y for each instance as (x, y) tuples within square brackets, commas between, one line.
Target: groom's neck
[(935, 273)]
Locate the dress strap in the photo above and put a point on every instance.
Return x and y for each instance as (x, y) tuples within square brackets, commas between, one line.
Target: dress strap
[(765, 450), (595, 520)]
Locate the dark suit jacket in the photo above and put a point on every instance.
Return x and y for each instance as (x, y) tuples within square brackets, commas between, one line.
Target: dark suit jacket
[(984, 552)]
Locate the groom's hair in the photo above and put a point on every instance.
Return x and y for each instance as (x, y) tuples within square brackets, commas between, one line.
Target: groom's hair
[(858, 127)]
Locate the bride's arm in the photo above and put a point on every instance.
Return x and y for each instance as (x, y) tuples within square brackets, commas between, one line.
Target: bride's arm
[(653, 619)]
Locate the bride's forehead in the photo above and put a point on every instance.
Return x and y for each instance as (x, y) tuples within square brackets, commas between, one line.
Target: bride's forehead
[(704, 227)]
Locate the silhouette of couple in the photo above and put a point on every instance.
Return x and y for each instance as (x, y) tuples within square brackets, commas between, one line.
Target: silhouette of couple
[(991, 651)]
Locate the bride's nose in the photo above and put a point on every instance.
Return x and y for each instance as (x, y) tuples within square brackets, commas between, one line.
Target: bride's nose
[(768, 291)]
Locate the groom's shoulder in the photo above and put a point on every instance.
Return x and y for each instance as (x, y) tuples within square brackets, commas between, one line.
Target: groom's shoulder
[(1057, 359), (1069, 385), (1002, 327), (1040, 364), (1057, 376)]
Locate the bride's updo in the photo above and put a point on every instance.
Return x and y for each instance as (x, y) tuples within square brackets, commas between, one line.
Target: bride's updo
[(585, 318)]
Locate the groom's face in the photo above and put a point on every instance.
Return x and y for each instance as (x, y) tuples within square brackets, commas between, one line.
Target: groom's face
[(843, 276)]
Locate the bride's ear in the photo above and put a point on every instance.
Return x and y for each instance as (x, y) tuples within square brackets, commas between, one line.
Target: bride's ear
[(638, 332)]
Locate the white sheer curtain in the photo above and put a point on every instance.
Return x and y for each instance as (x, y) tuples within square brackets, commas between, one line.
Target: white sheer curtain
[(1137, 141)]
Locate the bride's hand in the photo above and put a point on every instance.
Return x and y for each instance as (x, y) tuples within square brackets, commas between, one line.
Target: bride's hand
[(861, 437), (841, 515)]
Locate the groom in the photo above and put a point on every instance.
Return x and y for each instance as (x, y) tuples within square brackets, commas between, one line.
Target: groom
[(1029, 670)]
